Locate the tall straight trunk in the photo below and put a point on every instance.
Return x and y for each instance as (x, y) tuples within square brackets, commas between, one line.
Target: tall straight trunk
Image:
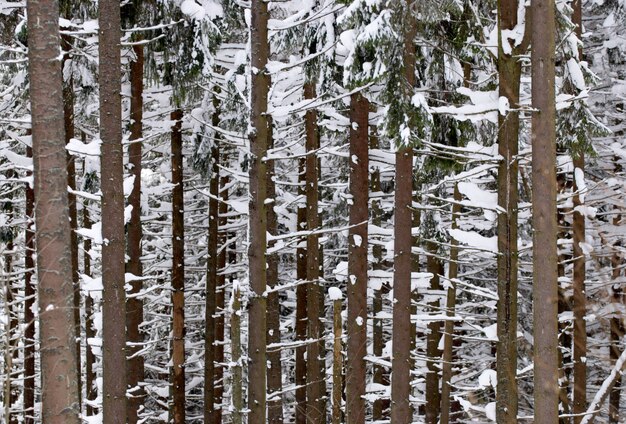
[(301, 303), (59, 388), (381, 375), (90, 331), (257, 244), (236, 360), (220, 301), (113, 260), (68, 117), (545, 261), (315, 410), (178, 272), (134, 305), (337, 362), (11, 352), (29, 302), (448, 341), (210, 412), (579, 299), (357, 259), (509, 72), (433, 354), (401, 411), (617, 331), (274, 374)]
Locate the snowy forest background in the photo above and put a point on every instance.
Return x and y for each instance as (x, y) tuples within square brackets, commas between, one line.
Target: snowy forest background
[(380, 124)]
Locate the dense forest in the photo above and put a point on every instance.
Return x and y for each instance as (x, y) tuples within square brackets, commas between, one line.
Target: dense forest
[(312, 211)]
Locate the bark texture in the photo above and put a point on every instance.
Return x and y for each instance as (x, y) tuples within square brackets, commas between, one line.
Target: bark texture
[(59, 388), (29, 302), (545, 261)]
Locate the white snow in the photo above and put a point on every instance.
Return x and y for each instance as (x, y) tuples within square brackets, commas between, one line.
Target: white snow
[(192, 9), (334, 293)]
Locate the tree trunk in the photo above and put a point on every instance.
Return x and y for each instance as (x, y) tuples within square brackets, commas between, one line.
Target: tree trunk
[(274, 374), (29, 302), (337, 363), (134, 305), (11, 352), (257, 244), (357, 260), (579, 299), (210, 412), (236, 371), (301, 303), (90, 332), (178, 273), (433, 354), (401, 411), (315, 411), (59, 388), (509, 72), (545, 261), (448, 342), (219, 301)]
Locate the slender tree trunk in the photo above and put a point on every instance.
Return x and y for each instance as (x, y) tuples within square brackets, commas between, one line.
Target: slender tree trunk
[(29, 302), (178, 273), (90, 332), (357, 260), (59, 388), (236, 360), (433, 397), (545, 261), (274, 374), (448, 342), (210, 412), (257, 243), (315, 411), (301, 303), (11, 353), (337, 362), (134, 305), (381, 375), (219, 302), (579, 299), (401, 411), (509, 72), (68, 117)]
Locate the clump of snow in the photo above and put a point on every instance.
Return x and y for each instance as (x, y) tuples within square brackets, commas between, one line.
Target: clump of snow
[(488, 378), (490, 411), (334, 293), (192, 9)]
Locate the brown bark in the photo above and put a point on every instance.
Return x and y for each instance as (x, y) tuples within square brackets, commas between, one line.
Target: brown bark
[(357, 260), (11, 352), (509, 72), (257, 243), (219, 302), (178, 273), (401, 411), (545, 261), (301, 303), (29, 302), (237, 374), (59, 389), (579, 299), (315, 410), (448, 342), (134, 305), (274, 373), (433, 397), (210, 412), (337, 363)]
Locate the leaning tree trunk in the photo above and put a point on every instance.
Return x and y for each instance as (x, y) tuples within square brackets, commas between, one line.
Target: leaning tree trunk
[(134, 306), (178, 273), (545, 260), (257, 243), (357, 260), (59, 388)]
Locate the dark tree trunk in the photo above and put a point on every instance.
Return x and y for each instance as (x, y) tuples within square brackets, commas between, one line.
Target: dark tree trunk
[(357, 260), (401, 411), (433, 397), (257, 243), (134, 306), (90, 332), (178, 273), (59, 388), (301, 303), (545, 284), (29, 302), (219, 302)]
